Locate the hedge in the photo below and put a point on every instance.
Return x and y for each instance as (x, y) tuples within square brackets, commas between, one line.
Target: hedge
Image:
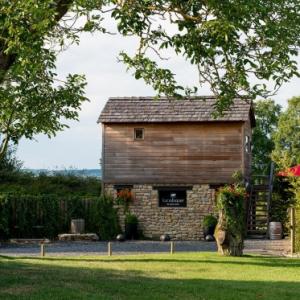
[(59, 184), (47, 215)]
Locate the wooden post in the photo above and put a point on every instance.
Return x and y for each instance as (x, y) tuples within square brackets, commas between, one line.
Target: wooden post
[(109, 249), (43, 250), (292, 230), (172, 247)]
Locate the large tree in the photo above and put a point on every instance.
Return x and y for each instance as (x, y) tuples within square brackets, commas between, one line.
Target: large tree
[(32, 99), (227, 41), (287, 138), (287, 152), (267, 113)]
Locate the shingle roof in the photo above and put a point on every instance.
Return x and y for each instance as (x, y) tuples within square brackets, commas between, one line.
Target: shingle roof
[(152, 110)]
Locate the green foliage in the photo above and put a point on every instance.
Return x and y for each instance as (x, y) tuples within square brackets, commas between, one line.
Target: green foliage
[(4, 217), (226, 41), (209, 221), (297, 233), (231, 200), (37, 215), (10, 163), (131, 219), (131, 227), (266, 114), (296, 190), (238, 178), (279, 211), (26, 110), (32, 98), (62, 185), (230, 230), (47, 215), (287, 150), (43, 206), (287, 137), (104, 218)]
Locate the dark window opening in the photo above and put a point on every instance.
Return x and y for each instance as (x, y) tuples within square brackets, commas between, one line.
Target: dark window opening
[(138, 133)]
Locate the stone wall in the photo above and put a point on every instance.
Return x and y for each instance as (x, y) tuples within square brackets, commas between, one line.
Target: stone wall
[(183, 223)]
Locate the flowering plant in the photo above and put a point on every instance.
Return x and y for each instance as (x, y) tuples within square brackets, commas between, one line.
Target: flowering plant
[(232, 197), (124, 197), (232, 192)]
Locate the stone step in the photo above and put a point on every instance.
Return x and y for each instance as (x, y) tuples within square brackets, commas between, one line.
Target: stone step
[(257, 218), (261, 188), (257, 223)]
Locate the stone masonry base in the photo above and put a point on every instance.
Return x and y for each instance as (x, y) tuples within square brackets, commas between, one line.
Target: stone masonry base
[(182, 223)]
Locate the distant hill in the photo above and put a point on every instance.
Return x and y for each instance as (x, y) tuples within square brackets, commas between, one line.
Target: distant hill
[(76, 172)]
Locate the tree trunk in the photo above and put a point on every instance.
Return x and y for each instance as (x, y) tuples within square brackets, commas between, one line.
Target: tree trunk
[(3, 147), (229, 240)]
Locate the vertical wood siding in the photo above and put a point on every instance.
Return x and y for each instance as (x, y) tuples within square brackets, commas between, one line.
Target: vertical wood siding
[(173, 153)]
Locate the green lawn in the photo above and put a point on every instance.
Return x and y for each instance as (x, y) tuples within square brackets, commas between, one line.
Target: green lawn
[(157, 276)]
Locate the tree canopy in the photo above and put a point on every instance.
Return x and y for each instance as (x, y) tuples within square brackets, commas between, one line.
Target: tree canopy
[(228, 42), (287, 152), (287, 137), (266, 115)]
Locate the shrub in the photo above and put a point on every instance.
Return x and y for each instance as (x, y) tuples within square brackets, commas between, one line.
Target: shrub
[(230, 229), (282, 199), (104, 218), (209, 221), (4, 213), (131, 219), (131, 226)]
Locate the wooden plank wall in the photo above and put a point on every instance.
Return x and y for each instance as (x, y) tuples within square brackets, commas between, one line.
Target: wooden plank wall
[(173, 153)]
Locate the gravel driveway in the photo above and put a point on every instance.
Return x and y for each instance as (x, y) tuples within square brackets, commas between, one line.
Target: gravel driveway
[(262, 247), (96, 248)]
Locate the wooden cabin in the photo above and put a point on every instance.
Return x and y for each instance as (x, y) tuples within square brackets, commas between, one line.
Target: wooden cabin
[(172, 155)]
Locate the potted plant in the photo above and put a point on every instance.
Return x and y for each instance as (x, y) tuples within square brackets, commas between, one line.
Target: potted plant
[(131, 226), (209, 225)]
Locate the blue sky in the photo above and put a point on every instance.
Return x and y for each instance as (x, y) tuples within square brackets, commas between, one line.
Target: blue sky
[(96, 57)]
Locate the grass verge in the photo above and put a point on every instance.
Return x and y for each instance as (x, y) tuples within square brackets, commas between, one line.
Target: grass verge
[(156, 276)]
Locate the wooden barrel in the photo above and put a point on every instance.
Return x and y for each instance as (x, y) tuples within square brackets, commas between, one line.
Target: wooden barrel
[(275, 230), (77, 226)]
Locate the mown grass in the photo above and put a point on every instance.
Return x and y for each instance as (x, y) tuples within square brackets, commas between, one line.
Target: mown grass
[(157, 276)]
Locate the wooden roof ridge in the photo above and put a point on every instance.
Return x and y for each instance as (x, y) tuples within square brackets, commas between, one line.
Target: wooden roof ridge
[(164, 110)]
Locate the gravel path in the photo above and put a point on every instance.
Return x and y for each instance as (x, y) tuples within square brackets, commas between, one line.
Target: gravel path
[(96, 248), (262, 247)]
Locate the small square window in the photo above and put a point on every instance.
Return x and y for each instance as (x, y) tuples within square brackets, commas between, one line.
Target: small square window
[(138, 133)]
